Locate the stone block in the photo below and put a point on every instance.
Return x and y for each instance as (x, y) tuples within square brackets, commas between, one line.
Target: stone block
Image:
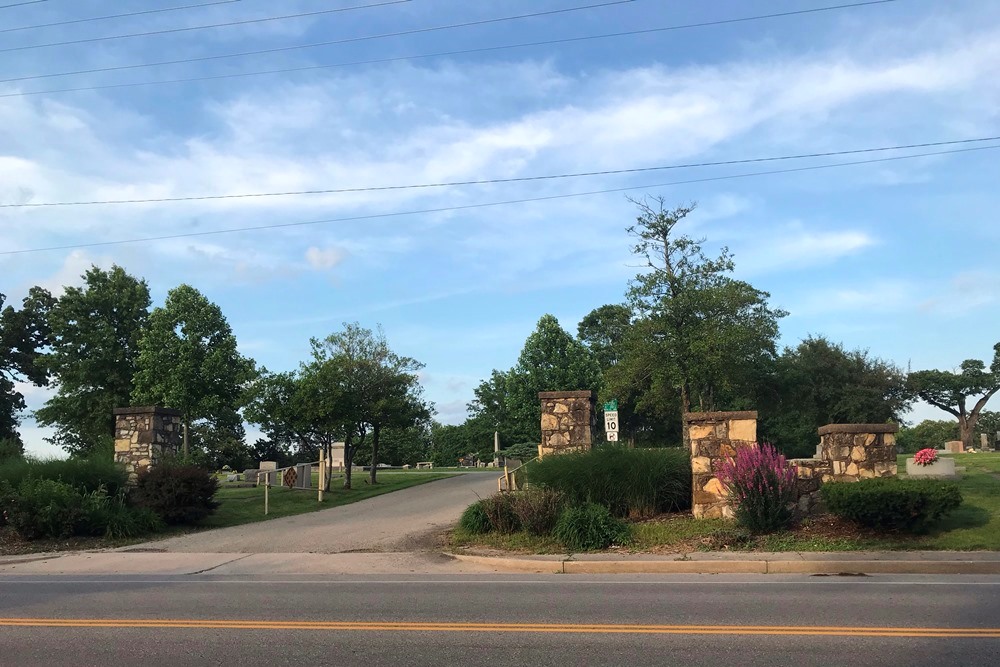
[(715, 487), (852, 469), (839, 467), (743, 429), (708, 512), (859, 454), (700, 431), (701, 464), (707, 447), (122, 444), (549, 422), (866, 473), (560, 408)]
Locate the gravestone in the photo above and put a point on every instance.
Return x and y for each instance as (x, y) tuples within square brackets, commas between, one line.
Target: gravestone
[(954, 446), (303, 479), (250, 475), (268, 465)]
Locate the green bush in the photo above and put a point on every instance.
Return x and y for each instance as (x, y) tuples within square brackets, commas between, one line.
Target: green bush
[(475, 520), (889, 503), (629, 482), (590, 526), (85, 475), (538, 509), (178, 494), (44, 508), (523, 451), (112, 517), (499, 509)]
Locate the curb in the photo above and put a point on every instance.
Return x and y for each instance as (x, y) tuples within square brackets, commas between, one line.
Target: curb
[(565, 566)]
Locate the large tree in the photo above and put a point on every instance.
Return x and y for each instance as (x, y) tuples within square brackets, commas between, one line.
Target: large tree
[(604, 330), (928, 433), (819, 382), (95, 345), (709, 333), (953, 391), (24, 333), (188, 360)]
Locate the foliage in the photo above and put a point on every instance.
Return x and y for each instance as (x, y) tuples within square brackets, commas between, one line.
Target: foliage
[(499, 509), (707, 334), (603, 330), (629, 482), (221, 445), (927, 434), (188, 360), (84, 475), (925, 457), (451, 442), (538, 509), (989, 423), (589, 527), (761, 485), (551, 360), (11, 448), (475, 519), (112, 517), (44, 508), (818, 383), (951, 391), (178, 494), (23, 334), (522, 451), (95, 340), (889, 503)]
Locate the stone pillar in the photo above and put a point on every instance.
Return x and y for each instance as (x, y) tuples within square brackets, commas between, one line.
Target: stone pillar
[(144, 435), (858, 451), (715, 436), (567, 421)]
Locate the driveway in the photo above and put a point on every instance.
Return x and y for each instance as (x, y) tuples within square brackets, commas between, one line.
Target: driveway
[(406, 520)]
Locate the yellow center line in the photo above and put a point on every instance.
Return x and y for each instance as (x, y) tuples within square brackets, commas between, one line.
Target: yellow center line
[(577, 628)]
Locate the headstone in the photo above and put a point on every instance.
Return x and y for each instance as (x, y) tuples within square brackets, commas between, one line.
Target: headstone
[(943, 467), (954, 446), (232, 478), (250, 475), (984, 442), (268, 465), (303, 478)]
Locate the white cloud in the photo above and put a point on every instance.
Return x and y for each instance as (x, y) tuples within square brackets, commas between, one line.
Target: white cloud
[(880, 296), (324, 259), (70, 274), (793, 247)]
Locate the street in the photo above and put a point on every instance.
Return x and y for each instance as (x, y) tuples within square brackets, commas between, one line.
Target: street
[(494, 619)]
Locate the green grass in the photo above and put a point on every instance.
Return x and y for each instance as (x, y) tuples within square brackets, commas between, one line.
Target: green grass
[(521, 542), (246, 505)]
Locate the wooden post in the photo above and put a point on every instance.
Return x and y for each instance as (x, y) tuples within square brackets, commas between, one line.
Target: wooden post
[(322, 474), (267, 487)]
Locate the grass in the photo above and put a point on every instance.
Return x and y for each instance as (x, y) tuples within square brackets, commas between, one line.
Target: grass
[(975, 525)]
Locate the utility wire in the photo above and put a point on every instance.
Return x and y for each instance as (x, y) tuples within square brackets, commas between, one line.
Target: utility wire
[(439, 54), (203, 27), (116, 16), (346, 40), (21, 4), (490, 181), (466, 207)]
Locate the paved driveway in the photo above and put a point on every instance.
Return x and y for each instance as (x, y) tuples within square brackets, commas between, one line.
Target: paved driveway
[(407, 520)]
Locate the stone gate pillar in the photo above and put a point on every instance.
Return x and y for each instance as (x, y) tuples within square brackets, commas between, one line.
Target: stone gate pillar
[(858, 451), (567, 421), (715, 436), (144, 435)]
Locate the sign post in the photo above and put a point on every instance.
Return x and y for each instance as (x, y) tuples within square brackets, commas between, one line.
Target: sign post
[(611, 420)]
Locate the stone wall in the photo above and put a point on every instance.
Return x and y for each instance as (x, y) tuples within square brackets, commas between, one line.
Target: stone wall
[(715, 436), (846, 453), (144, 435), (567, 421)]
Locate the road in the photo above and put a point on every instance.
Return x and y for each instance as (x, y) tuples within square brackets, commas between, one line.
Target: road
[(548, 620), (406, 520)]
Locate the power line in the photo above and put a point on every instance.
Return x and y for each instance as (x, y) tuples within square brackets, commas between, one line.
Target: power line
[(21, 4), (116, 16), (439, 54), (202, 27), (346, 40), (492, 181), (465, 207)]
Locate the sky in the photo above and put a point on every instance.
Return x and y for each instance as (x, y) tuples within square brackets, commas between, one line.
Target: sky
[(898, 257)]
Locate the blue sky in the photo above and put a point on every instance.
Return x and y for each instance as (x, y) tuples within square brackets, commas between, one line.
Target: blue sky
[(897, 257)]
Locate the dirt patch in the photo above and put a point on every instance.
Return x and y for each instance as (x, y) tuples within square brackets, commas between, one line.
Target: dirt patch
[(11, 544)]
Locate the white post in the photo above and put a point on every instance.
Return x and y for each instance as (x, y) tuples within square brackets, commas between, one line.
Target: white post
[(496, 448), (322, 473), (267, 487)]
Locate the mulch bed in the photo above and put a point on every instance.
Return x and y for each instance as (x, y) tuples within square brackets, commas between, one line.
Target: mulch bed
[(11, 544)]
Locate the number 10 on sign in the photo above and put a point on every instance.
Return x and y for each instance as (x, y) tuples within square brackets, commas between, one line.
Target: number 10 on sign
[(611, 425)]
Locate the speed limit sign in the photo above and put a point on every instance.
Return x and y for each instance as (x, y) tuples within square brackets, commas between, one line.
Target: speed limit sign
[(611, 425)]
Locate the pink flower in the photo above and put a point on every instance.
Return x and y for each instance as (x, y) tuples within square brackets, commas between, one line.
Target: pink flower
[(925, 457)]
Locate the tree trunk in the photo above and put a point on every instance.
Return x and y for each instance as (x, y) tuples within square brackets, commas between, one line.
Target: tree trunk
[(184, 447), (348, 461), (966, 430), (376, 429)]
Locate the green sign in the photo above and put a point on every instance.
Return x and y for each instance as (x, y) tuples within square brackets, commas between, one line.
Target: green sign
[(611, 406)]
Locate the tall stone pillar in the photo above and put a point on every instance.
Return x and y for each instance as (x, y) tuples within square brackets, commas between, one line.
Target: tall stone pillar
[(715, 436), (144, 435), (858, 451), (567, 421)]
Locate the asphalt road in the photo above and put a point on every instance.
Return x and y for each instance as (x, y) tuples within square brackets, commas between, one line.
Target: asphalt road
[(406, 520), (501, 620)]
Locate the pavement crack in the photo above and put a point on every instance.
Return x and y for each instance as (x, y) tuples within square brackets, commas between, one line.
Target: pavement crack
[(214, 567)]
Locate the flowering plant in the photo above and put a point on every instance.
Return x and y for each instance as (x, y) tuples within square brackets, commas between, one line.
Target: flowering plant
[(761, 485), (925, 457)]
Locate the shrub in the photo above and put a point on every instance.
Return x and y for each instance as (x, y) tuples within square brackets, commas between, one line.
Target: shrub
[(85, 475), (889, 503), (112, 517), (590, 526), (629, 482), (523, 451), (178, 494), (499, 509), (538, 509), (45, 508), (475, 520), (761, 486)]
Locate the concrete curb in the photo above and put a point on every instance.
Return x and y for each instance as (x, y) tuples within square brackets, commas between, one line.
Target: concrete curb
[(748, 566)]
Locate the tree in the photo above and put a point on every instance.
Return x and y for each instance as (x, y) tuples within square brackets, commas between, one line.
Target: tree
[(952, 391), (604, 330), (95, 346), (989, 424), (928, 433), (709, 333), (819, 383), (188, 360), (23, 335)]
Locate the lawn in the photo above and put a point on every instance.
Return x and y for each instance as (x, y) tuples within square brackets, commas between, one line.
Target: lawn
[(973, 526)]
